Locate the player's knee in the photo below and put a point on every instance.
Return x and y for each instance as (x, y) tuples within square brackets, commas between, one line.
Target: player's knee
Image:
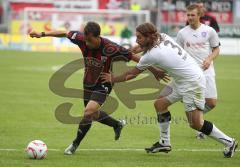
[(87, 111), (90, 113), (211, 103), (159, 105), (86, 119), (156, 104)]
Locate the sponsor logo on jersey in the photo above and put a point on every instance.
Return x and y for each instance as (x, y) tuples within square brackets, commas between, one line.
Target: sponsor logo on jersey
[(74, 35), (204, 34), (104, 59), (92, 62)]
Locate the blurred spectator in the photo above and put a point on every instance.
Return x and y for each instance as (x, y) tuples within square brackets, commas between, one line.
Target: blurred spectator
[(207, 19), (105, 29), (168, 5), (135, 6), (126, 35), (113, 4), (108, 29), (112, 30)]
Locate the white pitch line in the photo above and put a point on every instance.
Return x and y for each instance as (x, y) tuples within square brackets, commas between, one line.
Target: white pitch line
[(126, 149)]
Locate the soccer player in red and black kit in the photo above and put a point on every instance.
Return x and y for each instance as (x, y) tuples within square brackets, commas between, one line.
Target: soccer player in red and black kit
[(98, 54)]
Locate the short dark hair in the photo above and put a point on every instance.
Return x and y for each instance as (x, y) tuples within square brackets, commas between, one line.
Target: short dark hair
[(92, 28)]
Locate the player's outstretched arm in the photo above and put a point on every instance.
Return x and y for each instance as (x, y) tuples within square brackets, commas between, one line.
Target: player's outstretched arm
[(157, 72), (35, 34), (106, 77)]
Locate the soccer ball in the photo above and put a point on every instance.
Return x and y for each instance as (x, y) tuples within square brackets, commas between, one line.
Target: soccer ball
[(37, 149)]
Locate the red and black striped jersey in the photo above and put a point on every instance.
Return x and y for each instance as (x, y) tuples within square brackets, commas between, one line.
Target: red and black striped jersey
[(100, 59)]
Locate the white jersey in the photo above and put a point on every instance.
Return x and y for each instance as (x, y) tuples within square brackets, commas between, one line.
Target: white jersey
[(172, 58), (199, 43)]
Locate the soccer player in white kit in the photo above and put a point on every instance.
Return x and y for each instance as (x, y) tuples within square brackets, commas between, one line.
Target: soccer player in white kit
[(202, 43), (188, 85)]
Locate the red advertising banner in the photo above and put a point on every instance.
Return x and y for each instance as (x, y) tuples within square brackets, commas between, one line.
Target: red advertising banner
[(222, 17), (173, 11), (173, 17), (20, 6), (180, 17), (116, 4)]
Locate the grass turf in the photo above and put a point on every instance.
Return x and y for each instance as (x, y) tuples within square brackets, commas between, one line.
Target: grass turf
[(27, 113)]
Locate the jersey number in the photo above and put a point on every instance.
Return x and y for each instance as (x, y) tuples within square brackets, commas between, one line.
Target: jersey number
[(180, 52)]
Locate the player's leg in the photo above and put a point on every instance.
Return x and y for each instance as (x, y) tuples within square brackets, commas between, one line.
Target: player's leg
[(90, 113), (210, 104), (117, 125), (194, 102), (197, 122), (210, 98), (163, 114), (210, 94), (93, 99), (86, 121), (164, 119), (100, 96)]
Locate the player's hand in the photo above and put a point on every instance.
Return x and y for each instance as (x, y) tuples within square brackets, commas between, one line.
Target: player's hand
[(159, 74), (162, 75), (206, 63), (165, 77), (35, 34), (106, 77)]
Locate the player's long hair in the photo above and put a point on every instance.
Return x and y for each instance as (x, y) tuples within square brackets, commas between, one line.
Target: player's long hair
[(150, 31)]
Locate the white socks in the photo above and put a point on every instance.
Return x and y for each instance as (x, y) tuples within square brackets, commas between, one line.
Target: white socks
[(220, 136), (165, 133)]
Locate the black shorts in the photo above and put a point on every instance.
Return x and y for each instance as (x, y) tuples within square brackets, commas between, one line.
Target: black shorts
[(97, 93)]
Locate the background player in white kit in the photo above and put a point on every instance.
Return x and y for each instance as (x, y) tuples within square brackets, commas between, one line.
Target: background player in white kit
[(188, 85), (202, 43)]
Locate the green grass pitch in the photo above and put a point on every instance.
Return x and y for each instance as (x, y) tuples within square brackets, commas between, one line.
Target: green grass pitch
[(27, 113)]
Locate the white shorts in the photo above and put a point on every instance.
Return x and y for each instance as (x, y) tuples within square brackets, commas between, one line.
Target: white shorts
[(192, 94), (211, 89)]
